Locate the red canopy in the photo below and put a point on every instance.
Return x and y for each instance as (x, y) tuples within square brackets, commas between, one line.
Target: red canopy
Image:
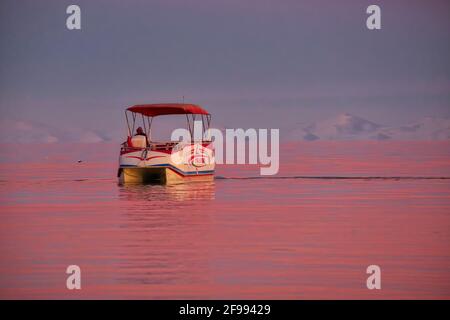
[(152, 110)]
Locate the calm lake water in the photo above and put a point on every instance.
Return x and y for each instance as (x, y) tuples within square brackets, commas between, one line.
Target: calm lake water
[(304, 234)]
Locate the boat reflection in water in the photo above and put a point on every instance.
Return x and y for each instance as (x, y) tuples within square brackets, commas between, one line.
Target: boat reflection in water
[(163, 195)]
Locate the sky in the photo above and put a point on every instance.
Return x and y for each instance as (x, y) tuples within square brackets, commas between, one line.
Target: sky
[(261, 64)]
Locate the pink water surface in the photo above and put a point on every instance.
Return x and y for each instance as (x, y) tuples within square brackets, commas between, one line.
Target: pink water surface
[(292, 236)]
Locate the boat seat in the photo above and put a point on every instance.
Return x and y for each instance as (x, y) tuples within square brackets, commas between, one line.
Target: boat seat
[(139, 141)]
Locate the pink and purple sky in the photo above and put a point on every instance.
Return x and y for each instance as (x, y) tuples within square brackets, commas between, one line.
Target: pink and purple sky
[(256, 64)]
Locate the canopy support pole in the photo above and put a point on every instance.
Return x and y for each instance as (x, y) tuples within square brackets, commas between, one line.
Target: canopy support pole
[(189, 125), (128, 124), (149, 133), (134, 121)]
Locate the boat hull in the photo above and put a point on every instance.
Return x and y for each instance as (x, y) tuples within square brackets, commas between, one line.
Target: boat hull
[(159, 175), (185, 163)]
